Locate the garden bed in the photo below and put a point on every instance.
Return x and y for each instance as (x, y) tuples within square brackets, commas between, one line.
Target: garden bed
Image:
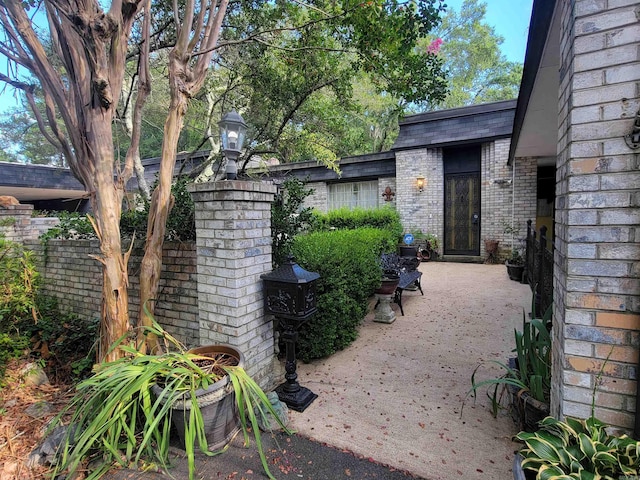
[(25, 412)]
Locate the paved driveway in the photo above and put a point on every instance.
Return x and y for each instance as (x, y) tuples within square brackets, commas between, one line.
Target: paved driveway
[(396, 394)]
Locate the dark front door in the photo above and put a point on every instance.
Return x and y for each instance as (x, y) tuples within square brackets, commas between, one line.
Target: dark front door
[(462, 201)]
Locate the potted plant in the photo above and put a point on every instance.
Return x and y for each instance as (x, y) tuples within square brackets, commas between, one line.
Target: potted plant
[(116, 417), (576, 449), (429, 249), (515, 265), (491, 249), (527, 377)]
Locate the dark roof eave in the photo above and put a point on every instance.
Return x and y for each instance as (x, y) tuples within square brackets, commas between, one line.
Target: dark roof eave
[(541, 17), (466, 111)]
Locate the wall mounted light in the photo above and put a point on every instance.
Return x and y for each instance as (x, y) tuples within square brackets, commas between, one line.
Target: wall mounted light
[(232, 133), (420, 182)]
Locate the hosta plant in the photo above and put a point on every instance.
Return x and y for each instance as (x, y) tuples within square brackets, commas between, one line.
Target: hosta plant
[(578, 450), (116, 420)]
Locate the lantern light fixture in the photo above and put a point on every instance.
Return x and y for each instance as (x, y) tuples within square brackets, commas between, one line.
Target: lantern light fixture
[(420, 182), (232, 134)]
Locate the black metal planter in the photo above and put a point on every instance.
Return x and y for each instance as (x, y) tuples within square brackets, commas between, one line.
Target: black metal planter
[(515, 271)]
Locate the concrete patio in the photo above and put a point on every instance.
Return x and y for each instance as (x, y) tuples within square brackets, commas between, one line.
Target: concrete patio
[(391, 403), (396, 394)]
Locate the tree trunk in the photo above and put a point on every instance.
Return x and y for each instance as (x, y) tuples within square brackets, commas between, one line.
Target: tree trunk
[(161, 203), (107, 206)]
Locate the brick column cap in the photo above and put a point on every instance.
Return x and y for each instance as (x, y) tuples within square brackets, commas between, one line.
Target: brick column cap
[(233, 185)]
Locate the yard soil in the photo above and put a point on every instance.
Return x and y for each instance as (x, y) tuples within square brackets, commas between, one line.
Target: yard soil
[(390, 406), (25, 413)]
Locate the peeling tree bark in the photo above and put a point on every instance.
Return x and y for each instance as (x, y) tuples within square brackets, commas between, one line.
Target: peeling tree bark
[(189, 63)]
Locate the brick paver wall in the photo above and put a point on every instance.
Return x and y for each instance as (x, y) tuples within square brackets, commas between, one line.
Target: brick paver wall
[(596, 285), (75, 279)]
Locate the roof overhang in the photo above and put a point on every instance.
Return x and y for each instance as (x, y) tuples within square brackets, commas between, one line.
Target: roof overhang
[(535, 129)]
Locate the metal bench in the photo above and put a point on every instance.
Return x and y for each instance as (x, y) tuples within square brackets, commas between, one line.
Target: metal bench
[(407, 269)]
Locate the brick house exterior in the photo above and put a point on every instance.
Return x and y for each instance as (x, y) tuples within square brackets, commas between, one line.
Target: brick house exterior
[(436, 146), (587, 52), (562, 155)]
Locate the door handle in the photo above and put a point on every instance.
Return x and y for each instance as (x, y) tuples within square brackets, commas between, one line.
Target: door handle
[(475, 218)]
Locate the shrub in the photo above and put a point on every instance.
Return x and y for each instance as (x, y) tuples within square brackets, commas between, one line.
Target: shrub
[(288, 217), (63, 340), (386, 218), (180, 222), (18, 285), (348, 264)]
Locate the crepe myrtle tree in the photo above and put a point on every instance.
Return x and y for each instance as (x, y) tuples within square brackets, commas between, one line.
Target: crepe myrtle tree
[(74, 55)]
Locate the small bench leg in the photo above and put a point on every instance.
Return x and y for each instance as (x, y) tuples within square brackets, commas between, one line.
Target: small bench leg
[(397, 298)]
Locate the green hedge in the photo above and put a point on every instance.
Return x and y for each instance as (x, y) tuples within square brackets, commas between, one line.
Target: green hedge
[(386, 218), (348, 264)]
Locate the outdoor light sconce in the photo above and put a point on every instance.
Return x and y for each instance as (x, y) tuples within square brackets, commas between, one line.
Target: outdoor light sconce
[(420, 182), (232, 134), (290, 295)]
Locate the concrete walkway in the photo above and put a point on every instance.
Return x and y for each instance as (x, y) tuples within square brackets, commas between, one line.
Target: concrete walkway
[(389, 407), (396, 394)]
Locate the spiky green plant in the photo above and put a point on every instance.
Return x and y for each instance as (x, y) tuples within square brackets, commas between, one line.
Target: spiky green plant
[(116, 419), (533, 372), (578, 450)]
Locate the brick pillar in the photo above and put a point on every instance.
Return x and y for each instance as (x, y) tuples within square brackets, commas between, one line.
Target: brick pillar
[(233, 243), (15, 221), (596, 320)]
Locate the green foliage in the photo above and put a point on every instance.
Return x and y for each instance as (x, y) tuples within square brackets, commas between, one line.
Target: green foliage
[(515, 258), (289, 217), (18, 285), (180, 222), (117, 419), (73, 225), (63, 340), (348, 264), (477, 70), (11, 346), (533, 371), (580, 450), (386, 218)]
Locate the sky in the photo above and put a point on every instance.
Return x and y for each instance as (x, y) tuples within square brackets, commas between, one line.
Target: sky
[(510, 18)]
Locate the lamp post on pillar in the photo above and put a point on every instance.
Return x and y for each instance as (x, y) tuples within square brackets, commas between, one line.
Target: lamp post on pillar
[(232, 135)]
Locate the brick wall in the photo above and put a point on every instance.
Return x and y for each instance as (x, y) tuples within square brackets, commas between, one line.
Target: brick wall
[(17, 224), (75, 279), (425, 210), (596, 285), (420, 210), (318, 200)]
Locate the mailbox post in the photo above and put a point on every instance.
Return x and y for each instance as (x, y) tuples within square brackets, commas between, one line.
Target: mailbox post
[(290, 295)]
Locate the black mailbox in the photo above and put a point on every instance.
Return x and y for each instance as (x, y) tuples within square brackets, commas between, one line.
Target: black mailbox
[(290, 295), (290, 291)]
